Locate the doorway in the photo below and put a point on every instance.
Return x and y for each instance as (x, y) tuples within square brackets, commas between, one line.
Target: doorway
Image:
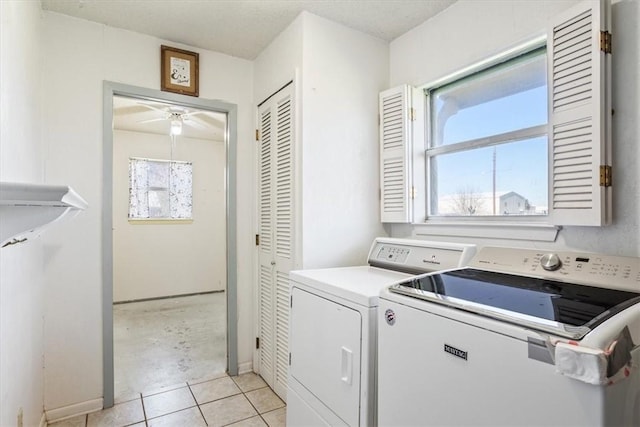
[(160, 106), (169, 246)]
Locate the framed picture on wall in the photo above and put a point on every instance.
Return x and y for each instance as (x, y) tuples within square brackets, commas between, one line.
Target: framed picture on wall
[(179, 71)]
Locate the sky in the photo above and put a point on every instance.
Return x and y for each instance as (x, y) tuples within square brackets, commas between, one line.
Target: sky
[(520, 166)]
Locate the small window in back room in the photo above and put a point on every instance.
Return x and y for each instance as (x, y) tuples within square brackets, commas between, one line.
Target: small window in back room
[(160, 189), (487, 148)]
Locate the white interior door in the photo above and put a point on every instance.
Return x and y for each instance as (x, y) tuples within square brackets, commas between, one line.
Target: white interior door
[(275, 249)]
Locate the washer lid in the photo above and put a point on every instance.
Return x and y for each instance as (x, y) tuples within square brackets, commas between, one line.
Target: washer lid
[(565, 309)]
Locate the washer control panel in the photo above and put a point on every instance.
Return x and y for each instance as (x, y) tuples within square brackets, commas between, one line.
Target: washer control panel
[(602, 270)]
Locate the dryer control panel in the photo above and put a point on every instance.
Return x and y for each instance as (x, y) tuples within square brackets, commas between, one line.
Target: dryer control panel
[(601, 270), (418, 256)]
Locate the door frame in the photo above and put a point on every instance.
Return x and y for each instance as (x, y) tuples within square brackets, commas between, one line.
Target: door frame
[(111, 89)]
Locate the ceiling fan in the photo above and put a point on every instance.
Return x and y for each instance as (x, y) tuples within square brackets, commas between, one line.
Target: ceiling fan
[(176, 115)]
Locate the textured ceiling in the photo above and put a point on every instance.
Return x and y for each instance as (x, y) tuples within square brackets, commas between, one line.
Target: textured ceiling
[(243, 28)]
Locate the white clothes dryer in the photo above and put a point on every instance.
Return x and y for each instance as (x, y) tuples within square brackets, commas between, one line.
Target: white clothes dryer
[(333, 330)]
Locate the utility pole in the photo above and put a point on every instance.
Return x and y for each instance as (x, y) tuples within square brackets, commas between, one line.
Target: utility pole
[(494, 180)]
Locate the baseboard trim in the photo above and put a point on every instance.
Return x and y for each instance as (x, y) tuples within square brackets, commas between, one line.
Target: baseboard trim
[(71, 411), (43, 421), (245, 367), (216, 291)]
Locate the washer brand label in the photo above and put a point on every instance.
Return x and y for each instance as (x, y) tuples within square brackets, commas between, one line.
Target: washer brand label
[(390, 317), (456, 352)]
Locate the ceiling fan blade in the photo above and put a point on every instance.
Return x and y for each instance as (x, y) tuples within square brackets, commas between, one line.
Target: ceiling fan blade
[(153, 107), (130, 109), (208, 121), (194, 123), (153, 120), (208, 114), (193, 113)]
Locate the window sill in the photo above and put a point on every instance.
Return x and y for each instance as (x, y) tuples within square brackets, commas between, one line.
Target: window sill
[(159, 221), (490, 230)]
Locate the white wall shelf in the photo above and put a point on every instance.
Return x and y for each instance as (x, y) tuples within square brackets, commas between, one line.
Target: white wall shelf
[(27, 209)]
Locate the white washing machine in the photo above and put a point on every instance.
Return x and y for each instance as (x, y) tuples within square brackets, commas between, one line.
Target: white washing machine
[(332, 330), (517, 338)]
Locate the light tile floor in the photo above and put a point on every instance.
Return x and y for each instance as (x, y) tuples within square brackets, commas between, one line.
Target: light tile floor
[(242, 401), (179, 341)]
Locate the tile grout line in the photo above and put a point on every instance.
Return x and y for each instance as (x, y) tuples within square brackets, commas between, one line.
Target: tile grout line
[(251, 403), (197, 404), (177, 410), (144, 412), (254, 406), (244, 394)]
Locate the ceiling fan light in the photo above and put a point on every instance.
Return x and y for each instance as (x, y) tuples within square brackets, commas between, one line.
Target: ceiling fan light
[(176, 127)]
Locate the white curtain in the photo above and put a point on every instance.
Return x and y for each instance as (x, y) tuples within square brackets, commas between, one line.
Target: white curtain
[(181, 189), (160, 189)]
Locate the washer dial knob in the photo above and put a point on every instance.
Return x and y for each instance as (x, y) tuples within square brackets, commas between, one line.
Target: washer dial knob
[(550, 262)]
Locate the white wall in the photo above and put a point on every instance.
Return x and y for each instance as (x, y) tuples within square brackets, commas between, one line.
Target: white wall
[(21, 266), (471, 30), (339, 72), (279, 62), (343, 72), (78, 56), (155, 260)]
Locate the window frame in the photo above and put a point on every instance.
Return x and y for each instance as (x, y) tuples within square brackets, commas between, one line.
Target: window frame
[(159, 220), (494, 140), (422, 174), (580, 172)]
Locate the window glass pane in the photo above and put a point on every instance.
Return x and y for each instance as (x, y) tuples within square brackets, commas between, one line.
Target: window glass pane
[(159, 204), (158, 174), (501, 99), (160, 189), (463, 183)]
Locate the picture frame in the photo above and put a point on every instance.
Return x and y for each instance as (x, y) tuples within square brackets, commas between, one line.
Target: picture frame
[(179, 71)]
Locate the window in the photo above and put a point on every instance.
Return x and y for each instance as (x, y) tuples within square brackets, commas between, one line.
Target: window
[(484, 150), (160, 189), (487, 141)]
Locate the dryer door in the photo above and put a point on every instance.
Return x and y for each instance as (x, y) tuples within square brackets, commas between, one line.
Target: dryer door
[(325, 351)]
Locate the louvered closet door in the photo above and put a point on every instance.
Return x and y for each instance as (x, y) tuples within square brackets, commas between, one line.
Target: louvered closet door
[(276, 236)]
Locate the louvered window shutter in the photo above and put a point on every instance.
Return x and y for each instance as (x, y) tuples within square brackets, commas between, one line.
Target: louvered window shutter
[(579, 116), (395, 149)]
